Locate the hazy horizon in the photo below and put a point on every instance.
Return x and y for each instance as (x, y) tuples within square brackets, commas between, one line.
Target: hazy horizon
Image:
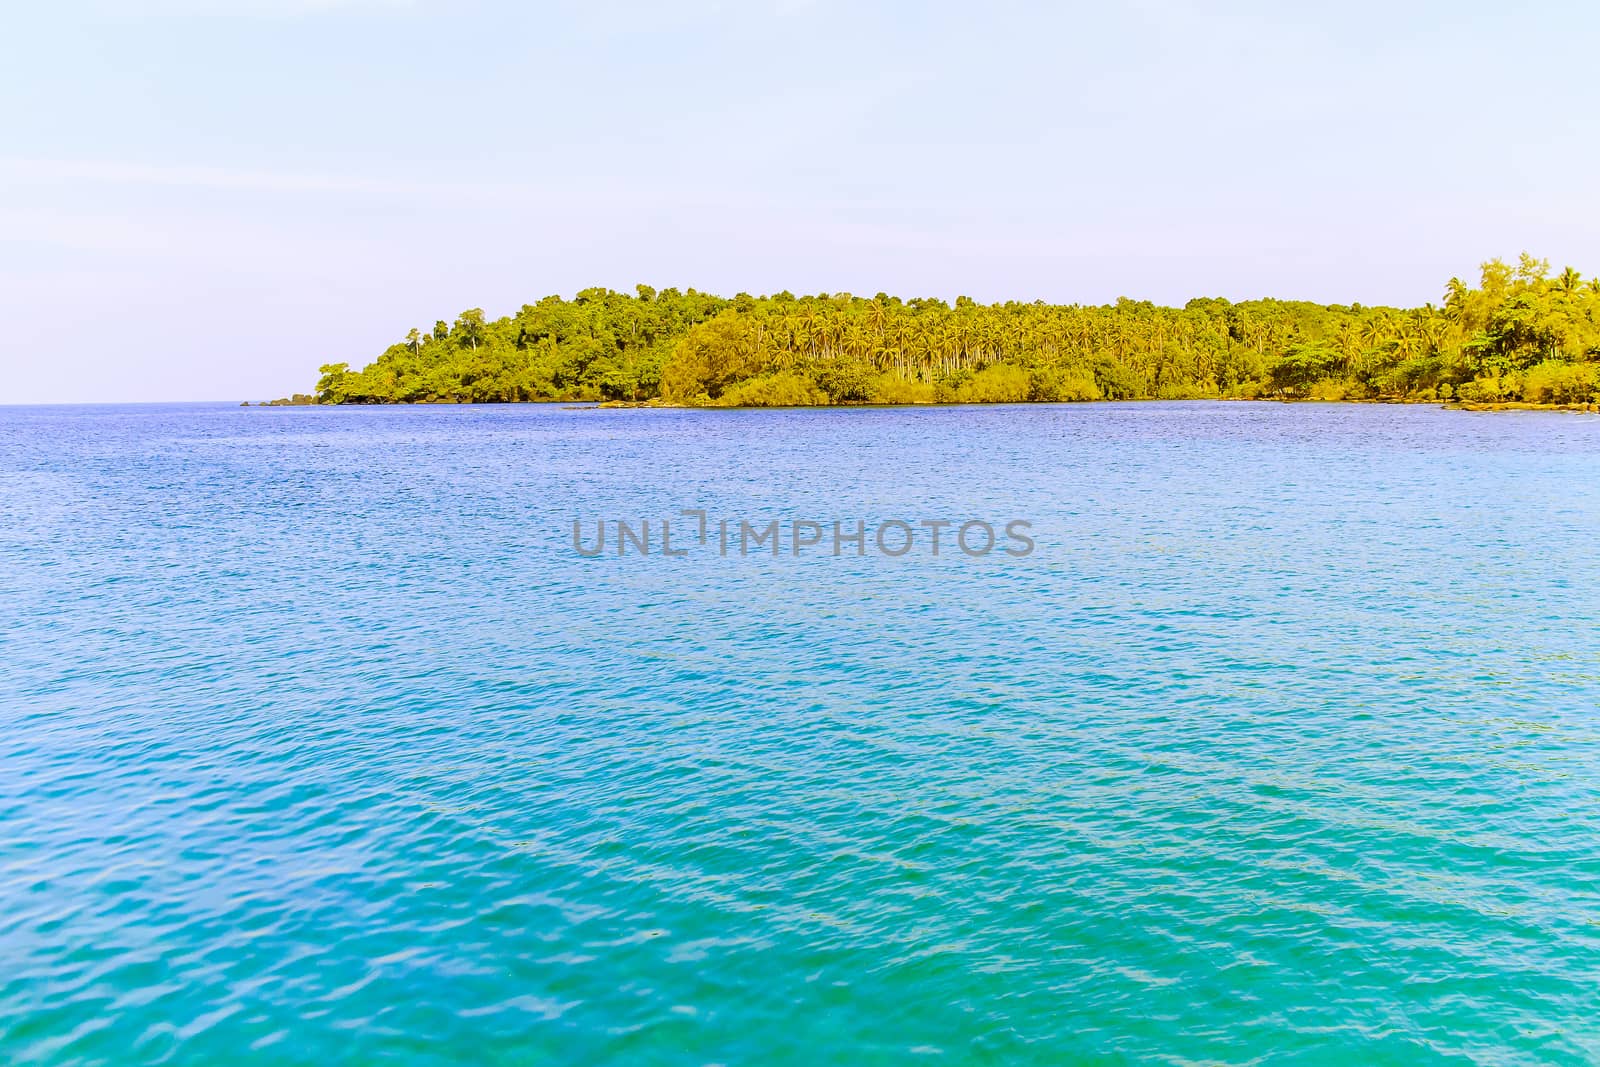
[(208, 200)]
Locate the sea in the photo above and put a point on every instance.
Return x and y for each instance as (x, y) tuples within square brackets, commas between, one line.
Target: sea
[(1211, 733)]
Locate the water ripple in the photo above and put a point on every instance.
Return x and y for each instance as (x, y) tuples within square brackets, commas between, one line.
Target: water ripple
[(322, 746)]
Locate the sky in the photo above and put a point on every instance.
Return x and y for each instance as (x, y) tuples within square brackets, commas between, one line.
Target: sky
[(207, 200)]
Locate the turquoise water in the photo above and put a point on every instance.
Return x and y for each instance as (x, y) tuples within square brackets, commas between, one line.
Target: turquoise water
[(322, 745)]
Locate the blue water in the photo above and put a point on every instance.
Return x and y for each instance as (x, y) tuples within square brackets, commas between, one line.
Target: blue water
[(322, 744)]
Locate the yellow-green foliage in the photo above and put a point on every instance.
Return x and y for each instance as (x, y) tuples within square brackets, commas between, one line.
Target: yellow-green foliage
[(1080, 387), (782, 390), (1523, 333), (711, 357), (1560, 383), (889, 389), (1331, 389), (1185, 390), (1490, 388), (1050, 385), (997, 384)]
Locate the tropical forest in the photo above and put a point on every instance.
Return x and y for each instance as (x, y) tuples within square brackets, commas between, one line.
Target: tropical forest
[(1523, 335)]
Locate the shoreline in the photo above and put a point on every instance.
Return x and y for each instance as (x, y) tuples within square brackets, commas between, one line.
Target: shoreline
[(582, 405)]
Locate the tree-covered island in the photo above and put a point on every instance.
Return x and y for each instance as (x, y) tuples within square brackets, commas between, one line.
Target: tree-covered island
[(1523, 335)]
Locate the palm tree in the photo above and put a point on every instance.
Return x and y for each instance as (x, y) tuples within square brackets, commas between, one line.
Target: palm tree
[(877, 315), (1405, 344), (1375, 332), (1348, 337)]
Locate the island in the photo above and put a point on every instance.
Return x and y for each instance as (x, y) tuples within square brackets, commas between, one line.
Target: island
[(1522, 337)]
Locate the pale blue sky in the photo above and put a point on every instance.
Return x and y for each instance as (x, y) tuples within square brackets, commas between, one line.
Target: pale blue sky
[(202, 199)]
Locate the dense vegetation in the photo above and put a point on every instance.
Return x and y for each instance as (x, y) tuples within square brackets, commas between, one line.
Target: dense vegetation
[(1521, 335)]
